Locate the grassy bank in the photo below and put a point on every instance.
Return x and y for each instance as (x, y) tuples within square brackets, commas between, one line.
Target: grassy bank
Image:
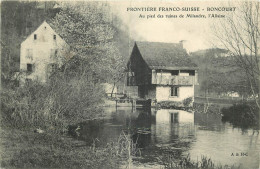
[(186, 163), (27, 149), (212, 108)]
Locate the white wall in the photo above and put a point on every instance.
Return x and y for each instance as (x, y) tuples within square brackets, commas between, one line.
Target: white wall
[(163, 130), (41, 51), (163, 93), (109, 88)]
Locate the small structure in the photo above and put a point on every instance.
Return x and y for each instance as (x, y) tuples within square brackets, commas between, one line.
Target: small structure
[(41, 53), (162, 71), (110, 89)]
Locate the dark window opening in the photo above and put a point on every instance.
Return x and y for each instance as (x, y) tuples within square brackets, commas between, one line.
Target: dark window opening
[(174, 91), (35, 36), (172, 118), (176, 117), (29, 53), (175, 72), (54, 37), (53, 68), (54, 53), (29, 67)]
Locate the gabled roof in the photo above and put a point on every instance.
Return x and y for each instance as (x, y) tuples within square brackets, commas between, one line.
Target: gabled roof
[(159, 55), (44, 23)]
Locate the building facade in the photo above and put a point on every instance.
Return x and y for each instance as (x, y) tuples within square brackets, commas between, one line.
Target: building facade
[(162, 71), (41, 53)]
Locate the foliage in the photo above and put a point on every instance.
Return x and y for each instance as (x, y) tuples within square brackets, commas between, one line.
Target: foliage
[(211, 108), (170, 104), (186, 163), (51, 107), (187, 102), (218, 73), (239, 34), (87, 27), (53, 151), (241, 115)]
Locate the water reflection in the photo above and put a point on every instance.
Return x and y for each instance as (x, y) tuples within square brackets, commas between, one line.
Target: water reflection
[(158, 132), (171, 125)]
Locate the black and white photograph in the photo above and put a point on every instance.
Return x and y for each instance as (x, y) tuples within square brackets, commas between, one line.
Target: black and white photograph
[(133, 84)]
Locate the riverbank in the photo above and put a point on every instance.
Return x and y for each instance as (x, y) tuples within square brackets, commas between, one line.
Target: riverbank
[(27, 149)]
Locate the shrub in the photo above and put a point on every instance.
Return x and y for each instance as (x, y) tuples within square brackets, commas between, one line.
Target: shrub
[(55, 151), (188, 102), (170, 104), (241, 115), (186, 163), (51, 106)]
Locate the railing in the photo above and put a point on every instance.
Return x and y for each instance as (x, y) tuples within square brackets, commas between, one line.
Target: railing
[(174, 80)]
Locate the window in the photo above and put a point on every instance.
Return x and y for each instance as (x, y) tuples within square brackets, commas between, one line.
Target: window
[(54, 53), (29, 53), (175, 72), (29, 67), (54, 37), (28, 81), (35, 36), (175, 117), (53, 67), (175, 91)]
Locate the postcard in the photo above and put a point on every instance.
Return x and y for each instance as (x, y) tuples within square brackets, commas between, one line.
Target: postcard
[(130, 84)]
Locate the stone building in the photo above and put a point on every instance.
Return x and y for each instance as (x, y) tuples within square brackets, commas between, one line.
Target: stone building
[(41, 53)]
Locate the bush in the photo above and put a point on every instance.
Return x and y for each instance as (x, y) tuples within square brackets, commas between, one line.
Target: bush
[(170, 104), (188, 102), (51, 106), (186, 163), (241, 115), (55, 151)]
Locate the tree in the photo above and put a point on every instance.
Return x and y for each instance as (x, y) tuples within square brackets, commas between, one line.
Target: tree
[(239, 32), (87, 27), (218, 73)]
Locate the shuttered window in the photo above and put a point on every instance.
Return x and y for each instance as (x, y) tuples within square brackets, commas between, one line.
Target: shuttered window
[(175, 91)]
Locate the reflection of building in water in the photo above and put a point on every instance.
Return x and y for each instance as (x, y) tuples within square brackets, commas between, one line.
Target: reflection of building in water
[(171, 124)]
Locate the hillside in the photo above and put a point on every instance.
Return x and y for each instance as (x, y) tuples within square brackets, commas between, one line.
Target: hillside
[(218, 73)]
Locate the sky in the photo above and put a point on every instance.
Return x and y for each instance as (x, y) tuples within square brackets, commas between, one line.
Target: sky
[(196, 32)]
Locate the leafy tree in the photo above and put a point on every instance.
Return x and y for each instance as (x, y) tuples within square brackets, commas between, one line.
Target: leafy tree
[(218, 73), (239, 33), (87, 27)]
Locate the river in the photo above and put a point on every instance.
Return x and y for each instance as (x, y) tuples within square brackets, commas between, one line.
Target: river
[(166, 131)]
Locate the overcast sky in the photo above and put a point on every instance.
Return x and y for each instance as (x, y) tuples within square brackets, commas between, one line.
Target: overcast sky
[(196, 32)]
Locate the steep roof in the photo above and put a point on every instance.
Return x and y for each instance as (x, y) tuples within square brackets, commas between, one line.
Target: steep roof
[(44, 23), (169, 56)]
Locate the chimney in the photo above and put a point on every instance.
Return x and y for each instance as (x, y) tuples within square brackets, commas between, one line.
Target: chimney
[(181, 43), (184, 45)]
